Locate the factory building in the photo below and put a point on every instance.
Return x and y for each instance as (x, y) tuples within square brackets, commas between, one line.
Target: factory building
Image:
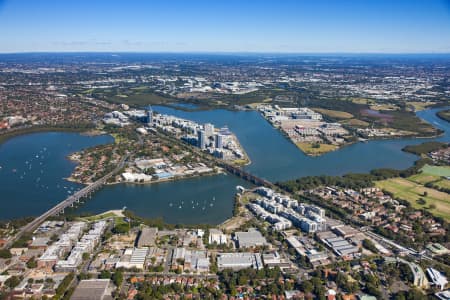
[(252, 238), (93, 289), (238, 261)]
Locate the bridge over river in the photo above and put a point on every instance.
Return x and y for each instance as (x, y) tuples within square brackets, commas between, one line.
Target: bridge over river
[(88, 190), (68, 202)]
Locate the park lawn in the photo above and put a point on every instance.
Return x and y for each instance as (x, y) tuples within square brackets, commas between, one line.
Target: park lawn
[(436, 170), (240, 162), (444, 114), (410, 191), (358, 100), (420, 105), (444, 183), (140, 88), (355, 123), (308, 148), (141, 99), (88, 91), (117, 216), (98, 217), (118, 139), (335, 114), (384, 106), (424, 178)]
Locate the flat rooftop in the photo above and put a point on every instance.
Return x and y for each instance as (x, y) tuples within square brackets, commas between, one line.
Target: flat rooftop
[(91, 289)]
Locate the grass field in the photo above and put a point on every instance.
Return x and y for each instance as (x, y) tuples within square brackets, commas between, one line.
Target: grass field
[(308, 148), (444, 114), (436, 170), (443, 183), (141, 99), (384, 107), (117, 138), (355, 123), (420, 105), (335, 114), (412, 191), (116, 214), (357, 100), (424, 178), (99, 217)]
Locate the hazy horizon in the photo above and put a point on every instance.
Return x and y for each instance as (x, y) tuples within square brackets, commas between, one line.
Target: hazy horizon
[(288, 27)]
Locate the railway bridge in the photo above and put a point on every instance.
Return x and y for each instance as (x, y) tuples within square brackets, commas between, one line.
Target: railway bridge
[(245, 175)]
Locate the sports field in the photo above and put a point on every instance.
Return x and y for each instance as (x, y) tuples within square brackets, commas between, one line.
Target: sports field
[(436, 170), (436, 175)]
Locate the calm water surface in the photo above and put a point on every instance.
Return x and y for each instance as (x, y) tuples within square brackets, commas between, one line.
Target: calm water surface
[(275, 158), (33, 168), (199, 200)]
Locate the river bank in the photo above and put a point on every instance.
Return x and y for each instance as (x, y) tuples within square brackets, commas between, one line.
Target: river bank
[(444, 115), (11, 133), (273, 157)]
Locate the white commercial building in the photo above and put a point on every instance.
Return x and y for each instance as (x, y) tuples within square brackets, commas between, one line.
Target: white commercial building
[(237, 261), (437, 278), (217, 236)]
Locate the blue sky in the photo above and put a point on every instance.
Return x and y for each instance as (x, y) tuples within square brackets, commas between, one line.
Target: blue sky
[(361, 26)]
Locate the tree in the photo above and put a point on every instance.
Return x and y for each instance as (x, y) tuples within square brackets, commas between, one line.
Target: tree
[(12, 282), (4, 253), (306, 286), (373, 290), (31, 263), (368, 244), (105, 274), (121, 228), (64, 284), (421, 201), (118, 278), (83, 276), (415, 294), (400, 296)]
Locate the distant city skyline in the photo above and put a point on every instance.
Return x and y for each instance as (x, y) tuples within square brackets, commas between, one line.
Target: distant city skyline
[(322, 26)]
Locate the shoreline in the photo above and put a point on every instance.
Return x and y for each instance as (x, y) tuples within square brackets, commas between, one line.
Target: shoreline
[(219, 172), (347, 144), (441, 117), (7, 135)]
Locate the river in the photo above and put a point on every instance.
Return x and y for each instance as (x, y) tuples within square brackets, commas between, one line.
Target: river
[(33, 170), (200, 200)]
